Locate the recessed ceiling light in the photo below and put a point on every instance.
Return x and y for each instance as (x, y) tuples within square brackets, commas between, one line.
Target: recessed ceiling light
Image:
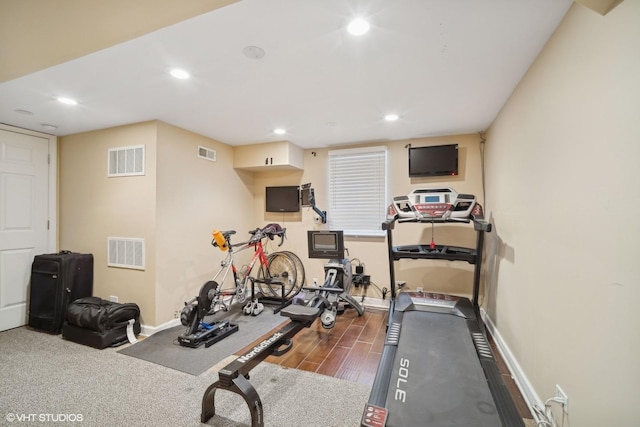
[(67, 101), (25, 112), (279, 131), (358, 27), (48, 126), (253, 52), (391, 117), (179, 73)]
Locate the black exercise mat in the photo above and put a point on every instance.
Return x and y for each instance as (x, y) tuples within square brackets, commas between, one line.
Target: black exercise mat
[(163, 348)]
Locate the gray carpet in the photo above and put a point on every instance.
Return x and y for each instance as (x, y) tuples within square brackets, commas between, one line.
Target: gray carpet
[(47, 376), (163, 348)]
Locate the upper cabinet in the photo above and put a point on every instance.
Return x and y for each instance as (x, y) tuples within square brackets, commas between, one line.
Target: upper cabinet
[(272, 155)]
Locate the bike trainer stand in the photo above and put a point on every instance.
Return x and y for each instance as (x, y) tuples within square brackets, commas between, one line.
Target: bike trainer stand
[(198, 331), (235, 376), (208, 334)]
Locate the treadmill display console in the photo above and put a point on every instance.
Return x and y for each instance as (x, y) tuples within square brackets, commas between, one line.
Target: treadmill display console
[(432, 203)]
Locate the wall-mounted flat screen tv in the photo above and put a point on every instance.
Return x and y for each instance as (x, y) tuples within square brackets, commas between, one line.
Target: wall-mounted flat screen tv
[(282, 199), (438, 160)]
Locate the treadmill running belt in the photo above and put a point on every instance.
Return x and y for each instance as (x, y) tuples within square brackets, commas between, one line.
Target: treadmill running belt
[(437, 379)]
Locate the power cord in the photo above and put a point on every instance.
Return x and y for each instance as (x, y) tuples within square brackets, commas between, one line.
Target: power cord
[(545, 416)]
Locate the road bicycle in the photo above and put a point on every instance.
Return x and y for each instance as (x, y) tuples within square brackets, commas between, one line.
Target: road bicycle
[(279, 274)]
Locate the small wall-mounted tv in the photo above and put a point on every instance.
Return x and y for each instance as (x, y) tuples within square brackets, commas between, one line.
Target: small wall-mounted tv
[(325, 244), (438, 160), (282, 199)]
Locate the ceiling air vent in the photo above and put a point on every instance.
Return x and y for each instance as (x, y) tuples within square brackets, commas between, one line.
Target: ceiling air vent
[(206, 153), (125, 252), (126, 161)]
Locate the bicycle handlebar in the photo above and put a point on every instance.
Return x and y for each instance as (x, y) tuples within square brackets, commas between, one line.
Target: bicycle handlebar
[(270, 231)]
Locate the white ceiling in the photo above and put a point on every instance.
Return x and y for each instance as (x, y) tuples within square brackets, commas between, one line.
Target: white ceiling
[(445, 66)]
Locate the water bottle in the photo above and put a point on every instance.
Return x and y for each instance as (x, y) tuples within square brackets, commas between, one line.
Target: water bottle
[(220, 240)]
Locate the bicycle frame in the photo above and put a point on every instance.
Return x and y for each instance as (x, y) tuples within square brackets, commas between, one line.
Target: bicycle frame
[(227, 264)]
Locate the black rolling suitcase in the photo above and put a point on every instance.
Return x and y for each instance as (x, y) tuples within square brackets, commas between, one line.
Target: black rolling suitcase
[(56, 280)]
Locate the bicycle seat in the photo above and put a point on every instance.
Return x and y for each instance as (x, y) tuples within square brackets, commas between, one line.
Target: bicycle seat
[(221, 239)]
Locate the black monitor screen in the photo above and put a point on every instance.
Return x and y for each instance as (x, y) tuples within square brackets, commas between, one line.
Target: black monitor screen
[(438, 160), (305, 196), (325, 244), (282, 199)]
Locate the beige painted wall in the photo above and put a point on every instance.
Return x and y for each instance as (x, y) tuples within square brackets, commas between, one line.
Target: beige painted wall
[(438, 276), (173, 207), (93, 207), (194, 196), (562, 191)]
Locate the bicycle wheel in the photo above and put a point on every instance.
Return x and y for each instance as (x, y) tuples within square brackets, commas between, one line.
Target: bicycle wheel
[(281, 266), (300, 279)]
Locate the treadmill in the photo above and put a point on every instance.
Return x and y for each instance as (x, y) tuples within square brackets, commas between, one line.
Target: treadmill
[(437, 368)]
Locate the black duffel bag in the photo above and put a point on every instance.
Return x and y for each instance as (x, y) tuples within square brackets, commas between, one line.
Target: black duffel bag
[(100, 315), (100, 323)]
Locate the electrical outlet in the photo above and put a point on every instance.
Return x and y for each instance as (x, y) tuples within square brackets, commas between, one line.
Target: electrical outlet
[(420, 289), (561, 397), (113, 298), (176, 314)]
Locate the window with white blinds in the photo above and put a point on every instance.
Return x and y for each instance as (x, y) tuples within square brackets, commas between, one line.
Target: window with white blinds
[(358, 190)]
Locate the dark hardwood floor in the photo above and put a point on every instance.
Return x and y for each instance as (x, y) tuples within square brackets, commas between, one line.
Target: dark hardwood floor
[(352, 350)]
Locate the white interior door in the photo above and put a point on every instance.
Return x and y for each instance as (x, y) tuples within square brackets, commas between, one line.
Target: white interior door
[(24, 207)]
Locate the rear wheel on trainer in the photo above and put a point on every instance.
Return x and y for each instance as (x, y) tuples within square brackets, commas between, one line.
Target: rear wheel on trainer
[(283, 267), (300, 278)]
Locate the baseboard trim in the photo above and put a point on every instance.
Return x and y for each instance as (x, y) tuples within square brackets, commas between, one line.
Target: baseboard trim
[(522, 382), (146, 330), (376, 303)]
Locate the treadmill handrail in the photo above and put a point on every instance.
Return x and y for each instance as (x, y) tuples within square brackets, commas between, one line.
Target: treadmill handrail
[(480, 225)]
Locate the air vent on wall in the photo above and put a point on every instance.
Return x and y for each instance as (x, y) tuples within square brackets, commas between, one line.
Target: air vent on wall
[(125, 252), (206, 153), (126, 161)]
